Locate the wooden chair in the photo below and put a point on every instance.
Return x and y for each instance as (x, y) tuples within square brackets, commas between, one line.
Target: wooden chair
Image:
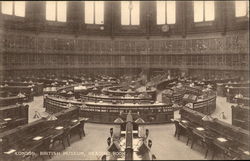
[(60, 138), (44, 147), (82, 122), (228, 154), (76, 129), (207, 141), (190, 136), (66, 134), (177, 129)]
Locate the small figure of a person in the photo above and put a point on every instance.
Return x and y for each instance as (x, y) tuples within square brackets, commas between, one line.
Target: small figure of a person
[(149, 143), (109, 141), (153, 157), (147, 133), (104, 157), (222, 115), (111, 132)]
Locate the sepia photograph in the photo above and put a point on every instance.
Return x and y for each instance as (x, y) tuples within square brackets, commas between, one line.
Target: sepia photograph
[(124, 80)]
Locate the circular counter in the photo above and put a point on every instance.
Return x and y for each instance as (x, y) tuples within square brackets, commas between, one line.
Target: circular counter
[(185, 94), (99, 112), (117, 91), (122, 99), (104, 108)]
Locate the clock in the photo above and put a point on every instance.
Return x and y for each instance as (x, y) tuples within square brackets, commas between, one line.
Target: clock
[(165, 28)]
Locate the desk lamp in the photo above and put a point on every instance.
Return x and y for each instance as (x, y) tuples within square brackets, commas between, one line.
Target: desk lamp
[(83, 106), (51, 117), (222, 115), (37, 115), (208, 118)]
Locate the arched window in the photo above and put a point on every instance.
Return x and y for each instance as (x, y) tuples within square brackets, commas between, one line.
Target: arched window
[(56, 11), (94, 12), (165, 12), (241, 8), (130, 12), (203, 11), (13, 8)]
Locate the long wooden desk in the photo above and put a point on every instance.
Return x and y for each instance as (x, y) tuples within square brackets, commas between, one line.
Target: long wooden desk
[(233, 91), (128, 145), (38, 87), (240, 116), (28, 91), (222, 87), (13, 116), (28, 137), (12, 100), (229, 139)]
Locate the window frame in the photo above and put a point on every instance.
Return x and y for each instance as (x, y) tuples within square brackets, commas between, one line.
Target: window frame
[(247, 9), (166, 15), (13, 10), (94, 14), (130, 15), (56, 14), (203, 13)]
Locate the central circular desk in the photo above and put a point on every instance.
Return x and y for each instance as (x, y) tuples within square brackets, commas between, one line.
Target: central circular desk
[(107, 107), (106, 112)]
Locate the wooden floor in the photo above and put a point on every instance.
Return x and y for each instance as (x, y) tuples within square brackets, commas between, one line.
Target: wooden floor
[(165, 145)]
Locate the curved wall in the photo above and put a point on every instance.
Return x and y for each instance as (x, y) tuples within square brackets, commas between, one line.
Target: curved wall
[(27, 50), (215, 48), (36, 12)]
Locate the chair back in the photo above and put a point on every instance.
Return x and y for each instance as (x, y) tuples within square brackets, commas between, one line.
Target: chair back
[(82, 123), (45, 146), (189, 132), (177, 124), (66, 131)]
